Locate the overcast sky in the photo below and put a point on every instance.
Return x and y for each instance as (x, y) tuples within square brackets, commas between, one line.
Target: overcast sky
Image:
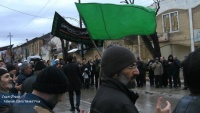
[(27, 19)]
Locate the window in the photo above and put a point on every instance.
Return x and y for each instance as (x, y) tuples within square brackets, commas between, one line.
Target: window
[(170, 22)]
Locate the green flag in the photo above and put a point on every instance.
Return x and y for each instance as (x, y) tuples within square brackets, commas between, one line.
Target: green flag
[(110, 21)]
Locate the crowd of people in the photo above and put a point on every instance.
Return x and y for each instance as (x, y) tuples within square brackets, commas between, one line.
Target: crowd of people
[(160, 72), (43, 85), (21, 77)]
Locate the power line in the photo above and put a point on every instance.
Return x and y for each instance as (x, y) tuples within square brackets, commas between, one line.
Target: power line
[(34, 17), (24, 12), (50, 7)]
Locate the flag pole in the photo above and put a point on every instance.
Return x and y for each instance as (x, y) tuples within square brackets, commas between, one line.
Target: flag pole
[(96, 47), (79, 1)]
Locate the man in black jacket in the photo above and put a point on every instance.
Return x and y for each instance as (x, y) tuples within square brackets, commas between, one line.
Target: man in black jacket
[(72, 71), (119, 70)]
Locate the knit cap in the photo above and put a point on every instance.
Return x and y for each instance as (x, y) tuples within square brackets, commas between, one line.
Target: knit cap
[(3, 71), (115, 58), (10, 67), (51, 80)]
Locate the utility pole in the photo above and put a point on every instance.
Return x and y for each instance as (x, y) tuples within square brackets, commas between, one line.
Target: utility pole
[(10, 47), (191, 29), (139, 50), (26, 49)]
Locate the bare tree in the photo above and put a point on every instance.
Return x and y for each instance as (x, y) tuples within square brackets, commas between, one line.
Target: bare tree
[(64, 49), (157, 3), (51, 49), (128, 2), (154, 51)]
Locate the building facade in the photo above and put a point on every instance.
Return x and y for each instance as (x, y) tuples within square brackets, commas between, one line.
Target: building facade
[(178, 27)]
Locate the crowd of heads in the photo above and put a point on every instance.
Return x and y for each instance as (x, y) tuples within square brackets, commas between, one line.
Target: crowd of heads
[(117, 62)]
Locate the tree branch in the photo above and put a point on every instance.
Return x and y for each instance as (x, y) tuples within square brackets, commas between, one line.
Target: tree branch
[(132, 2), (124, 2), (157, 2)]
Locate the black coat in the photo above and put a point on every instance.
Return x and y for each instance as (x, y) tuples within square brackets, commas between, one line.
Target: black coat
[(27, 84), (188, 104), (21, 77), (114, 97), (74, 76), (4, 107)]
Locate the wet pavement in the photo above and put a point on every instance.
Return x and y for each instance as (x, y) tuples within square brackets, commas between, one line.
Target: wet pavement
[(145, 104)]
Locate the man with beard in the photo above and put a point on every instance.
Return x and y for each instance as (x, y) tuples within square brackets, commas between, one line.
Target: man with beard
[(5, 86), (119, 70)]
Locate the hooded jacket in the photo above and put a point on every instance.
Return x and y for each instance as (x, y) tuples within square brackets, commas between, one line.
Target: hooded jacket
[(114, 97), (170, 67)]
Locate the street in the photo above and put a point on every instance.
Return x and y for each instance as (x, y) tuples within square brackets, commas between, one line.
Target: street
[(146, 103)]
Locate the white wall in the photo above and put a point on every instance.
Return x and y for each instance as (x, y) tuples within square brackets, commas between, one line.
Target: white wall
[(177, 50)]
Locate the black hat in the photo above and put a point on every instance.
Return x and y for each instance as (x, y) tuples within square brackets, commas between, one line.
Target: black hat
[(115, 58), (3, 71), (39, 65), (51, 80), (10, 67)]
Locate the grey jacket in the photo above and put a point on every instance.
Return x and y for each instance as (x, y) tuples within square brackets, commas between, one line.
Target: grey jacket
[(158, 68)]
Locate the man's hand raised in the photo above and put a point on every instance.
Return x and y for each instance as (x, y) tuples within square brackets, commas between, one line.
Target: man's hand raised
[(167, 109)]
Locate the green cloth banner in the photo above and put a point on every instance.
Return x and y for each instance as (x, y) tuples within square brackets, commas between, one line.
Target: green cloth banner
[(110, 21)]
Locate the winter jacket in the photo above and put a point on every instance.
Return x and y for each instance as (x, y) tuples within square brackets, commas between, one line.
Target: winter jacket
[(170, 66), (158, 69), (28, 102), (74, 76), (188, 104), (27, 84), (21, 78), (114, 97), (4, 107), (141, 67)]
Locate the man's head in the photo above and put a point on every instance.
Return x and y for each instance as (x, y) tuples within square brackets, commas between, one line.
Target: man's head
[(39, 66), (90, 59), (57, 61), (157, 59), (83, 61), (175, 58), (96, 57), (161, 58), (191, 67), (26, 68), (32, 62), (2, 63), (78, 61), (5, 80), (52, 82), (11, 69), (170, 58), (119, 62), (69, 58)]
